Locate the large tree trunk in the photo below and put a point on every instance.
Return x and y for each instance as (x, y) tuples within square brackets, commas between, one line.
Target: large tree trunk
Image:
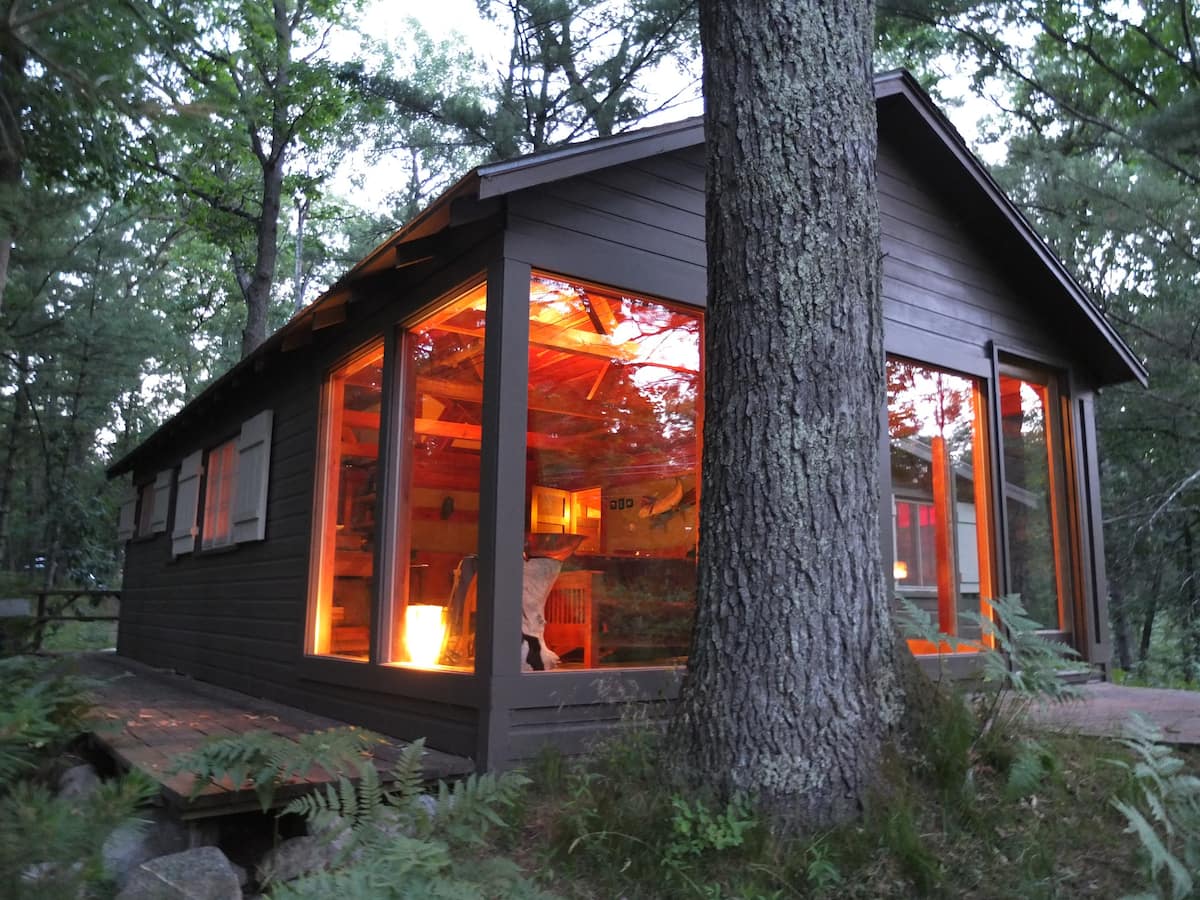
[(272, 159), (12, 149), (258, 292), (1148, 620), (1122, 628), (791, 685)]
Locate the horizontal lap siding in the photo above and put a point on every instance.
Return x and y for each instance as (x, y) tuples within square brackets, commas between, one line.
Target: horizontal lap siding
[(640, 227), (941, 287), (236, 617)]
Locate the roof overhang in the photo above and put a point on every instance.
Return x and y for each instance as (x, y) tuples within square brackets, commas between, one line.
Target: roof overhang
[(906, 114)]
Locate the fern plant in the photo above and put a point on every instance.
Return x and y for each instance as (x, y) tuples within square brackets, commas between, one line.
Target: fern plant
[(1165, 816), (1018, 665), (41, 711), (401, 843), (268, 761), (51, 846)]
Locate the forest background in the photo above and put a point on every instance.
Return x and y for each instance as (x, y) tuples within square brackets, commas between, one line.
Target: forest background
[(177, 177)]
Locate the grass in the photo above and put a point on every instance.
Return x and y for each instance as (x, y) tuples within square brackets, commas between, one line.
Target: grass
[(609, 826), (66, 636)]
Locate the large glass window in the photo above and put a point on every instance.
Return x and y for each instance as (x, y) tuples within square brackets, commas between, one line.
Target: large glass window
[(942, 552), (346, 510), (429, 607), (432, 604), (1036, 496), (613, 438)]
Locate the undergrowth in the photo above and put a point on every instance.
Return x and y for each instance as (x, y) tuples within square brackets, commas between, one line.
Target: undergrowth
[(976, 805), (50, 845), (396, 842), (1163, 812)]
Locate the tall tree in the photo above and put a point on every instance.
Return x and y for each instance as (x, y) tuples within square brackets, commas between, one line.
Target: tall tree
[(246, 88), (65, 70), (790, 688), (576, 68)]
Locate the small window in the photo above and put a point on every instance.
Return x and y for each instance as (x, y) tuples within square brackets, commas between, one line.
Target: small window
[(145, 509), (217, 530)]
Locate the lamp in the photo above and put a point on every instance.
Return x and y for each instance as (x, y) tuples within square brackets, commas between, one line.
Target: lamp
[(899, 570), (424, 633)]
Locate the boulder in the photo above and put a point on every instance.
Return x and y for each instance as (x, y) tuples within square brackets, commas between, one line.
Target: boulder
[(129, 845), (200, 874), (78, 781), (301, 855)]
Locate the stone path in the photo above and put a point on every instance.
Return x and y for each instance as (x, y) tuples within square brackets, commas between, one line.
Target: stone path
[(144, 718), (1103, 709)]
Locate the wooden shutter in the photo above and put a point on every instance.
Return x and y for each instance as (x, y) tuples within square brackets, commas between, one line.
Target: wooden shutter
[(187, 504), (127, 518), (253, 468), (162, 500)]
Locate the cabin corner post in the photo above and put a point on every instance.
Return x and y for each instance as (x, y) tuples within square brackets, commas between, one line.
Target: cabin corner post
[(502, 502), (1099, 646)]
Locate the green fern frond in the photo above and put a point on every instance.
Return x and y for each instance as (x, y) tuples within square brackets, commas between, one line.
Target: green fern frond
[(1168, 824), (408, 772)]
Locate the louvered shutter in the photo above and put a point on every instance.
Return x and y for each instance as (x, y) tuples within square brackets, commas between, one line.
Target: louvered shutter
[(187, 504), (162, 500), (253, 469), (127, 518)]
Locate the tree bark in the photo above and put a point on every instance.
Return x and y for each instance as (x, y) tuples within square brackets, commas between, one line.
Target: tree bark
[(791, 686), (272, 159), (16, 427), (1122, 630), (1148, 620), (13, 57)]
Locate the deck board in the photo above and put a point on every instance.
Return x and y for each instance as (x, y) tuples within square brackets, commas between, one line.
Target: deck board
[(144, 718)]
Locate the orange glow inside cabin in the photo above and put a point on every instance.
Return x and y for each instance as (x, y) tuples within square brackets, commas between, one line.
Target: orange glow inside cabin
[(612, 438)]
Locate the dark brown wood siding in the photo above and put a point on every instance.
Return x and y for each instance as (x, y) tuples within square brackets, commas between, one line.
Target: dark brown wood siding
[(640, 226), (235, 617)]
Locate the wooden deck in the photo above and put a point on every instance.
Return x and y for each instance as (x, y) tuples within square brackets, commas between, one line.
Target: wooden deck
[(145, 718)]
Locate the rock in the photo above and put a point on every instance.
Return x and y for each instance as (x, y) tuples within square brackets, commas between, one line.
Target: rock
[(133, 843), (428, 803), (301, 855), (200, 874), (55, 879), (243, 876), (78, 781)]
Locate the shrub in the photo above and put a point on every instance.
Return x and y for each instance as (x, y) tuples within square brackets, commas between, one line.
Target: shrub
[(1165, 812)]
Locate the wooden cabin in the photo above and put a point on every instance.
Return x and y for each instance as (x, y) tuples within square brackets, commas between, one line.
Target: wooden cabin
[(456, 496)]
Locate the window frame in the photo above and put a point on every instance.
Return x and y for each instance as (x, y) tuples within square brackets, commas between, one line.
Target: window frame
[(1065, 518), (1070, 550), (700, 313), (325, 488), (223, 501), (143, 525), (984, 399)]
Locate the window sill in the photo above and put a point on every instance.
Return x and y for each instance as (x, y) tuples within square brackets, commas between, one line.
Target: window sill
[(215, 551)]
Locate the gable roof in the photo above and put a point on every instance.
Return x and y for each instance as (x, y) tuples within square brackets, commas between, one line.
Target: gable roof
[(905, 112)]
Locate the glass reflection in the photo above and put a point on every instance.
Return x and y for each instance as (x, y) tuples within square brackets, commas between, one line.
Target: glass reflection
[(613, 438), (350, 463), (1032, 481), (940, 500), (434, 599)]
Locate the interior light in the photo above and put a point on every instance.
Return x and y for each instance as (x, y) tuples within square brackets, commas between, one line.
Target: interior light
[(899, 570), (424, 633)]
